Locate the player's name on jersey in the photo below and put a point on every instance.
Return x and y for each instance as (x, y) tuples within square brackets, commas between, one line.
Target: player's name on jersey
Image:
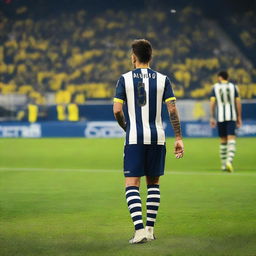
[(145, 75)]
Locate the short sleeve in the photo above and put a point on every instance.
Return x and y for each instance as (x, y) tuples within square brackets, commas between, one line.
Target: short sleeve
[(212, 95), (120, 91), (237, 92), (168, 92)]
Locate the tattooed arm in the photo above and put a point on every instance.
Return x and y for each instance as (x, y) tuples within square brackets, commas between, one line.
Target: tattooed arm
[(119, 114), (174, 118)]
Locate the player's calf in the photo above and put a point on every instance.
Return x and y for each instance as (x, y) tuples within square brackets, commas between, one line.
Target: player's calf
[(134, 204), (231, 150), (223, 155), (153, 202)]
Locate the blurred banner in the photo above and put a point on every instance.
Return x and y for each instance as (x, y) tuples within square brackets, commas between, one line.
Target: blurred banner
[(107, 129), (95, 120)]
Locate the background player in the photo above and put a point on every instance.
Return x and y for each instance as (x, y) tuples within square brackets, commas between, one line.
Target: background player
[(144, 90), (226, 97)]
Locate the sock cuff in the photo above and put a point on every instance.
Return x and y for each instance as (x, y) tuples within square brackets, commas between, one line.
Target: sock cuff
[(131, 187), (231, 142), (153, 186)]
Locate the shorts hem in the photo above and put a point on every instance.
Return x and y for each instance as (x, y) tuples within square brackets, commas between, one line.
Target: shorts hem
[(131, 175), (146, 143)]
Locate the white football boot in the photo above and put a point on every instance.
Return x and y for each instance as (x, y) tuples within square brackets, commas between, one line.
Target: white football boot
[(150, 233), (139, 237)]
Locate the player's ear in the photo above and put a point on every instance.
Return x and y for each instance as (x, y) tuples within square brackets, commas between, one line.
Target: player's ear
[(134, 58)]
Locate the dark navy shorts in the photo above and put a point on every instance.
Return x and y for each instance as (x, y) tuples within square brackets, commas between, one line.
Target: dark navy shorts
[(144, 160), (226, 128)]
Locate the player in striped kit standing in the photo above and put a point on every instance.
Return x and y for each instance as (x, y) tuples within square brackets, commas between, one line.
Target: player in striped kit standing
[(226, 97), (142, 92)]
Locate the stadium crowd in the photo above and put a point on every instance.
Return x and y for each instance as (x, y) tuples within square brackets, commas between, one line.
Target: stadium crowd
[(247, 32), (79, 55)]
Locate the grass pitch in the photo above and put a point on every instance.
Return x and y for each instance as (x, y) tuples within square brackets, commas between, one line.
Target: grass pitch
[(65, 197)]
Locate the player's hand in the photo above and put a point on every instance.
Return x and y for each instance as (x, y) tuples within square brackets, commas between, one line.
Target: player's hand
[(212, 122), (178, 149), (239, 123)]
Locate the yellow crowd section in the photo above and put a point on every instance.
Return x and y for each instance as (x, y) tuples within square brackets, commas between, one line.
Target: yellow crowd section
[(78, 55)]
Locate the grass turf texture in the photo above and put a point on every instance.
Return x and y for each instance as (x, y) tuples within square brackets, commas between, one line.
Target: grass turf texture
[(53, 210)]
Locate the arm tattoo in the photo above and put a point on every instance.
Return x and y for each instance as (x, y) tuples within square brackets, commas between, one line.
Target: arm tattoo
[(174, 118), (121, 120)]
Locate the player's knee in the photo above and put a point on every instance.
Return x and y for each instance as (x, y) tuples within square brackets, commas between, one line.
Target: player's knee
[(132, 181), (152, 180), (231, 137), (223, 139)]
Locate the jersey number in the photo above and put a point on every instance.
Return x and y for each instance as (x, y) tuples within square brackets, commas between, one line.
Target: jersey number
[(142, 98), (224, 100)]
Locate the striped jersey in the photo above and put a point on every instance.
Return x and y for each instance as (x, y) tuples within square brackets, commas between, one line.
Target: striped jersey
[(144, 90), (225, 94)]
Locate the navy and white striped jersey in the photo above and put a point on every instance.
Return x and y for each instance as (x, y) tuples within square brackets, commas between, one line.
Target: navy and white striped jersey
[(144, 90), (225, 95)]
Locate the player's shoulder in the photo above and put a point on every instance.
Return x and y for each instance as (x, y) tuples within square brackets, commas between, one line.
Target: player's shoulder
[(121, 79), (216, 85), (231, 84), (127, 74), (160, 74), (162, 77)]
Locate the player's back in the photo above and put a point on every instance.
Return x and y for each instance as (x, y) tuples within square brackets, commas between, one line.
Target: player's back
[(144, 91), (225, 94)]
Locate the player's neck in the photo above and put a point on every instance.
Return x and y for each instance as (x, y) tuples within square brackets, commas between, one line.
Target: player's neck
[(142, 65), (224, 81)]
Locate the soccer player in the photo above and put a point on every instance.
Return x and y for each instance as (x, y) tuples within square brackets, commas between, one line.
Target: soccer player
[(226, 97), (142, 92)]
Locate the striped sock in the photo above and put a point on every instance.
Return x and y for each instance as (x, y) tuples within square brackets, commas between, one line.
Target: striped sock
[(231, 150), (134, 205), (223, 154), (153, 202)]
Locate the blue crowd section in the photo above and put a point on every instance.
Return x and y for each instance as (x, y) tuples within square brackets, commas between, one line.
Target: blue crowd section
[(249, 111), (106, 129), (88, 112)]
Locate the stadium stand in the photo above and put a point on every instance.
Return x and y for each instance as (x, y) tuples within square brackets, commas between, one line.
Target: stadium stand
[(77, 55), (241, 28)]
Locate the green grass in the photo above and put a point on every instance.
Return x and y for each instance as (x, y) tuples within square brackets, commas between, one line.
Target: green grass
[(68, 200)]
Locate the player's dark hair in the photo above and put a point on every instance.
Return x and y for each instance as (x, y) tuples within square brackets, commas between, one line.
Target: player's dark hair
[(143, 50), (223, 74)]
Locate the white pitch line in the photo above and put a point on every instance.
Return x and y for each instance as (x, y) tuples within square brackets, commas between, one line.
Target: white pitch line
[(32, 169), (211, 173), (202, 173)]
